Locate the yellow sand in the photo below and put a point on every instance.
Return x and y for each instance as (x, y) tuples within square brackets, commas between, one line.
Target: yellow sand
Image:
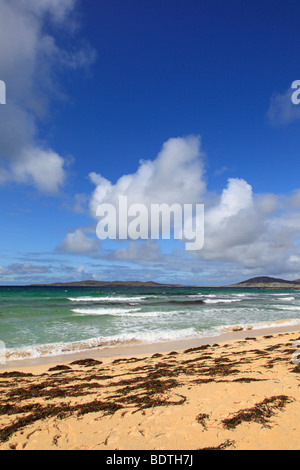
[(243, 394)]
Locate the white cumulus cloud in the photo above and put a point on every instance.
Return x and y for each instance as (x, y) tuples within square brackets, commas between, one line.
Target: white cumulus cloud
[(175, 176), (245, 233), (29, 57), (78, 242)]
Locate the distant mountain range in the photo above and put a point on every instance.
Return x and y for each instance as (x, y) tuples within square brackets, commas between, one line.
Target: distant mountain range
[(263, 281), (107, 284)]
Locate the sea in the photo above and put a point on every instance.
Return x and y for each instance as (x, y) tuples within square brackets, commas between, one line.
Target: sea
[(38, 322)]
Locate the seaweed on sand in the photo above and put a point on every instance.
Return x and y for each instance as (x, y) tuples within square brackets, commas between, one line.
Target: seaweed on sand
[(86, 362), (248, 380), (260, 413), (222, 446), (201, 418), (15, 374), (199, 348), (60, 411), (59, 368)]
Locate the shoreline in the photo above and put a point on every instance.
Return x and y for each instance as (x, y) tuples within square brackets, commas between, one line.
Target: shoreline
[(237, 394), (111, 352)]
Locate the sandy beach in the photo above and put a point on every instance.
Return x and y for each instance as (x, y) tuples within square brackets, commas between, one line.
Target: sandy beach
[(235, 392)]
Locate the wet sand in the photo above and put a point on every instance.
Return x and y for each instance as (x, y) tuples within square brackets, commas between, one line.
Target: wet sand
[(239, 391)]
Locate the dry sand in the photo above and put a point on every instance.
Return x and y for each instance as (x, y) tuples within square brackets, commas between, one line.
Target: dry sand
[(240, 394)]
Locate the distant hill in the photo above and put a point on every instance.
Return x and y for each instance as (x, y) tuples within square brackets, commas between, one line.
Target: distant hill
[(262, 281), (107, 284), (269, 282)]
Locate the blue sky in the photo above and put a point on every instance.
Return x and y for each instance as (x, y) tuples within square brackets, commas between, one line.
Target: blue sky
[(196, 95)]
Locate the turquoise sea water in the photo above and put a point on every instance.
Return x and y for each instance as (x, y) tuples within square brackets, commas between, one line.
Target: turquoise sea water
[(41, 321)]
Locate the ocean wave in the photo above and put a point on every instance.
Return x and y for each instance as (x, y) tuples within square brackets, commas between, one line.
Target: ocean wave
[(57, 349), (149, 337), (124, 312), (141, 300), (184, 302), (291, 308), (287, 299), (110, 298), (260, 325), (247, 295), (276, 323), (202, 296), (278, 295), (221, 301), (103, 311)]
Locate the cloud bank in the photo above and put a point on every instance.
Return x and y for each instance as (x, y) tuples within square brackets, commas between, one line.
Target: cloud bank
[(29, 60), (250, 233)]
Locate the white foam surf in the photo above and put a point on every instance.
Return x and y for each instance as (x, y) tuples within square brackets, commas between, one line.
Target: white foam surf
[(260, 325), (120, 312), (110, 298), (58, 349), (103, 311), (221, 301)]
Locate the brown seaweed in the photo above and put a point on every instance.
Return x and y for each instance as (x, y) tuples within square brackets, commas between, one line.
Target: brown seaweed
[(222, 446), (260, 413)]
